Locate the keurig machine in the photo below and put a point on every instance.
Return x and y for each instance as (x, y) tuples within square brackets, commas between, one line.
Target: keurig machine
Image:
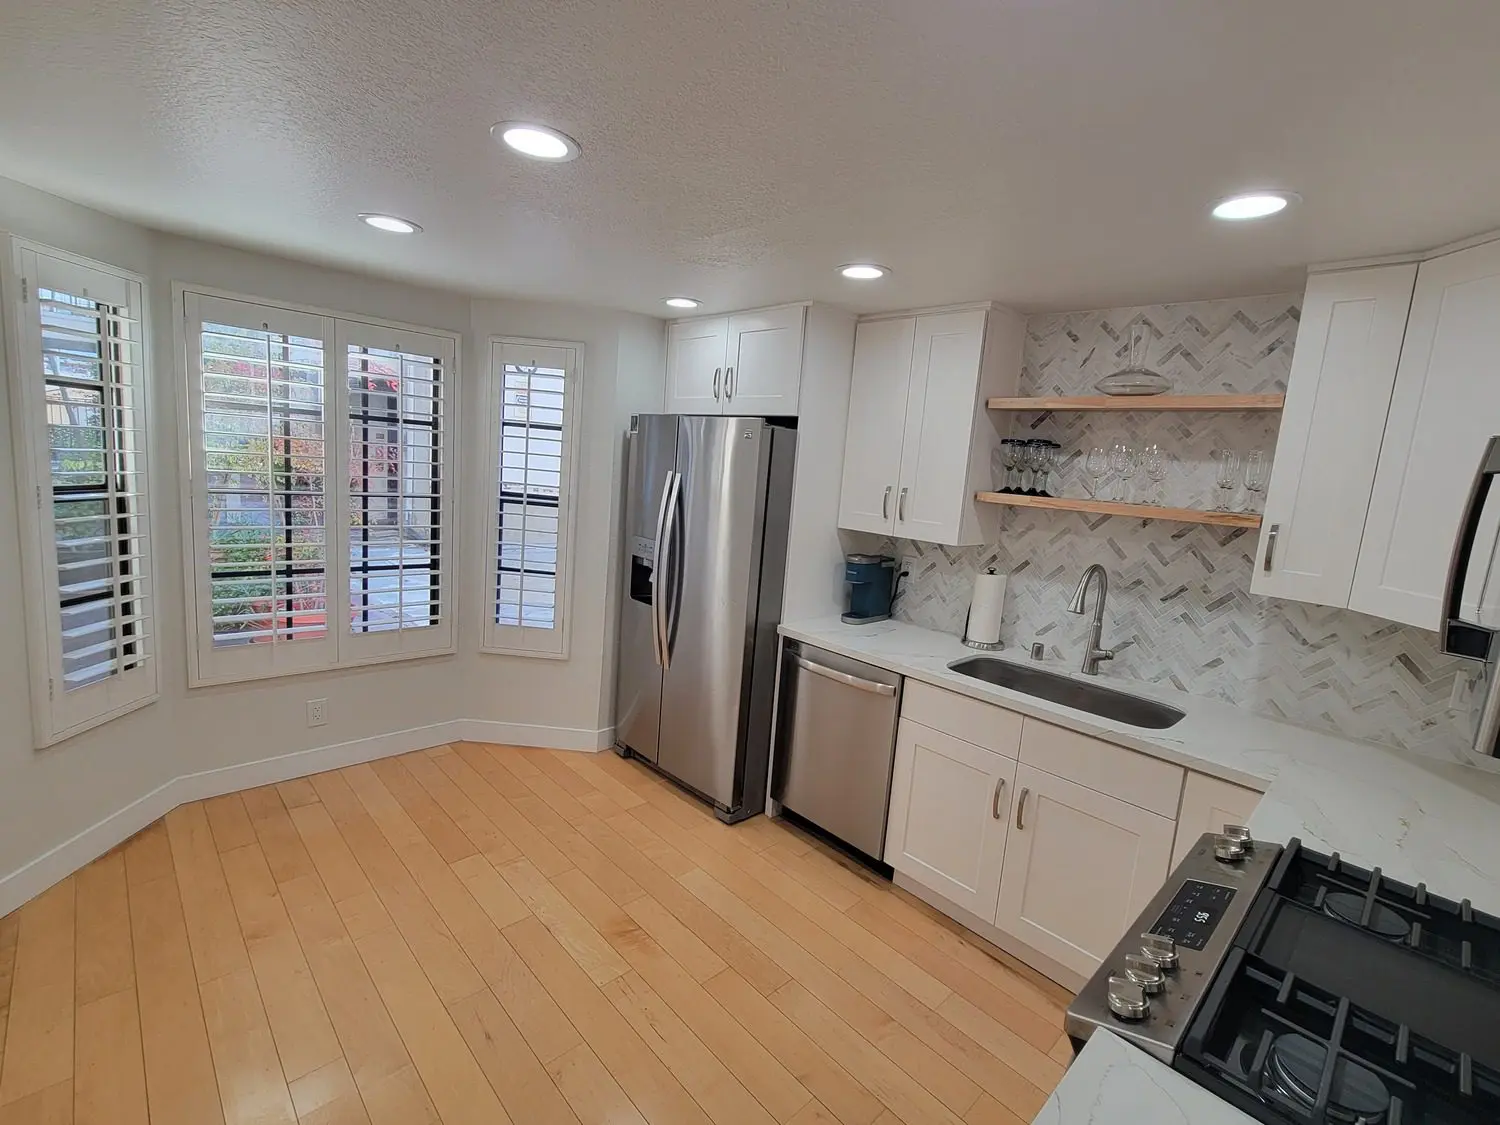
[(871, 583)]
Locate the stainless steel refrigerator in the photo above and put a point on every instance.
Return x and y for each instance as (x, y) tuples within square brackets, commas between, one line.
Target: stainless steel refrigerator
[(706, 520)]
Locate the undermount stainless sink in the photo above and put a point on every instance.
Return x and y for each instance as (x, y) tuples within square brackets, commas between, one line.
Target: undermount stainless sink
[(1102, 701)]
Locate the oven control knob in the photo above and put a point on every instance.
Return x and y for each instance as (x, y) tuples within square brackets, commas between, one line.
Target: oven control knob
[(1228, 850), (1241, 833), (1161, 949), (1127, 1000), (1145, 972)]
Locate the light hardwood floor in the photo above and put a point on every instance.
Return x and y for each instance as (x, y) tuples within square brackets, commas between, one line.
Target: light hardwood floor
[(487, 934)]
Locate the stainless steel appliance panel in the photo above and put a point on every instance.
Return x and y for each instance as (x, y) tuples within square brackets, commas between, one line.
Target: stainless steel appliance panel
[(715, 537), (838, 744), (651, 474)]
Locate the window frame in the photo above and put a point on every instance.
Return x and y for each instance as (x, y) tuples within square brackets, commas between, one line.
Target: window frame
[(340, 649), (60, 714), (518, 640)]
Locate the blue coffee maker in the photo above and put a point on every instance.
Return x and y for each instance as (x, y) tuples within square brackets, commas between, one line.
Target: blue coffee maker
[(871, 587)]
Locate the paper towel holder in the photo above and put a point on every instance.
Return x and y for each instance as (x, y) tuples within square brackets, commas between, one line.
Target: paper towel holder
[(984, 646)]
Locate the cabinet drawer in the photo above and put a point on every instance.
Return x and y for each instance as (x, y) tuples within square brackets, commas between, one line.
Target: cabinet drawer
[(1142, 780), (983, 724)]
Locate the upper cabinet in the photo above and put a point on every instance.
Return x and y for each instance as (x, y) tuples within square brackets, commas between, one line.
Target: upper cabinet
[(1445, 409), (920, 438), (747, 363), (1338, 394), (1390, 405)]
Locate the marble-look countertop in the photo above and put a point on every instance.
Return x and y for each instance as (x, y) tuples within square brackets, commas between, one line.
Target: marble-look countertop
[(1112, 1083), (1420, 820)]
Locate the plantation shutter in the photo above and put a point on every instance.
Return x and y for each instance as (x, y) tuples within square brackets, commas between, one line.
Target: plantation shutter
[(533, 407), (259, 412), (397, 517), (81, 400)]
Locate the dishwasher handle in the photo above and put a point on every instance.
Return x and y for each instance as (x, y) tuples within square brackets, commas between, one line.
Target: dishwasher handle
[(844, 678)]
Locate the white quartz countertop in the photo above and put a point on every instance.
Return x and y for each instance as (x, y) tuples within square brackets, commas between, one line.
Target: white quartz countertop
[(1420, 820), (1112, 1083)]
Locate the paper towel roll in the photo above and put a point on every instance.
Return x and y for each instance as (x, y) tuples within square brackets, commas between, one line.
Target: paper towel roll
[(987, 608)]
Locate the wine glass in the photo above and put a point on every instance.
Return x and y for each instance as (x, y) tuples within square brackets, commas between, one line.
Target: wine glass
[(1156, 469), (1255, 477), (1229, 463), (1032, 452), (1122, 460), (1008, 459), (1096, 464), (1050, 456)]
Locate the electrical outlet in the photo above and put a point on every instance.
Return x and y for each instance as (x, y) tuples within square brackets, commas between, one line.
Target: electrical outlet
[(317, 712)]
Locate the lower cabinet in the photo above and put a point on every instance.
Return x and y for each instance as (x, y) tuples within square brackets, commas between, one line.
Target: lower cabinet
[(1208, 804), (950, 806), (1079, 866)]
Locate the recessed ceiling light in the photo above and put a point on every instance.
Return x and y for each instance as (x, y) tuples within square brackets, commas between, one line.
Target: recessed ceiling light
[(1253, 205), (683, 302), (536, 141), (389, 223), (863, 271)]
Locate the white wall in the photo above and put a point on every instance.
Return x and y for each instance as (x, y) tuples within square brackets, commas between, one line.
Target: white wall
[(50, 796)]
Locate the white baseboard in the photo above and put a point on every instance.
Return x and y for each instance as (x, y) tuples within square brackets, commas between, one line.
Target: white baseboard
[(56, 864)]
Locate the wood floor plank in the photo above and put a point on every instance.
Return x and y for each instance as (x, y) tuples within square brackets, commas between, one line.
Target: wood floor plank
[(522, 1083), (252, 1087), (474, 772), (50, 1106), (400, 1099), (229, 822), (987, 1111), (591, 1090), (328, 1096), (814, 874), (1032, 1063), (10, 929), (326, 845), (109, 1082), (148, 854), (213, 929), (832, 1086), (701, 1073), (482, 832), (649, 844), (180, 1085), (584, 943), (814, 1113), (304, 1035), (297, 792), (458, 1087), (619, 794), (907, 1097), (105, 963), (39, 1043), (493, 893), (451, 842), (681, 944), (278, 836), (658, 1095)]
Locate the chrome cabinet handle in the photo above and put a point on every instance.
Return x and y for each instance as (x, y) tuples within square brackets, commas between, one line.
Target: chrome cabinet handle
[(844, 678), (1270, 546), (995, 801), (885, 504), (717, 372), (1021, 808), (728, 383), (901, 506)]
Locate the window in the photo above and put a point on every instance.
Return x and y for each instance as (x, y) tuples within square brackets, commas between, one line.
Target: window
[(79, 416), (534, 392), (293, 575)]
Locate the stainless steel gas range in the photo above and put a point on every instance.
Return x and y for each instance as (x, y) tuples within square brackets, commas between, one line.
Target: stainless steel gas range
[(1303, 989)]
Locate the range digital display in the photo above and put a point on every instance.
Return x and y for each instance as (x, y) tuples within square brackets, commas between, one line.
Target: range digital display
[(1192, 916)]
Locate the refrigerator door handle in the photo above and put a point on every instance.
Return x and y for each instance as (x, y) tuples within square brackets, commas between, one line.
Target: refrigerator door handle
[(656, 570), (670, 509), (1459, 637)]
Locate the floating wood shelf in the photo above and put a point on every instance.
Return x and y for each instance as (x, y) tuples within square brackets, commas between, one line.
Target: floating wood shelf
[(1111, 508), (1178, 403)]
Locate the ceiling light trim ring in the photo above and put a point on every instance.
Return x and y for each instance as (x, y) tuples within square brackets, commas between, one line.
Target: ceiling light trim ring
[(513, 134), (390, 224)]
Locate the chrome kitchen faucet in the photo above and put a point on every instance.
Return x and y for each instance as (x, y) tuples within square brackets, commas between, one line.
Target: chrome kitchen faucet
[(1093, 655)]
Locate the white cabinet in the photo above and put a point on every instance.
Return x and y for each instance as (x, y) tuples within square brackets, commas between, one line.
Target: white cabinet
[(1338, 394), (1445, 408), (1208, 804), (920, 438), (950, 805), (1079, 866), (748, 363)]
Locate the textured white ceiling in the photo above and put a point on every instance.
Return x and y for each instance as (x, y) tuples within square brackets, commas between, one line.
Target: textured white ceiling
[(1045, 153)]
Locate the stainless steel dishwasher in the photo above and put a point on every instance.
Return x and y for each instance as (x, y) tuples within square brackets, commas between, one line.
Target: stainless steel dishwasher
[(836, 744)]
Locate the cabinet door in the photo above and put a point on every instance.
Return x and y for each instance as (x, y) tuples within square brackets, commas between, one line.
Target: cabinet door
[(1338, 395), (1208, 804), (877, 417), (764, 369), (934, 487), (950, 808), (1079, 867), (1445, 409), (696, 351)]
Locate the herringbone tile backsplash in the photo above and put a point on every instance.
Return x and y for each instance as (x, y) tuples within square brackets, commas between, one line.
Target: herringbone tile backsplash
[(1180, 611)]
